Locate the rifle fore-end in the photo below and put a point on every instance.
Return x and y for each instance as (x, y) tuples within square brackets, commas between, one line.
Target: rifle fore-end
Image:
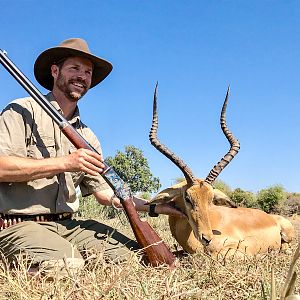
[(155, 249)]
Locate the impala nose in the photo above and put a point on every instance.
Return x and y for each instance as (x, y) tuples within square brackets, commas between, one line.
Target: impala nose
[(205, 240)]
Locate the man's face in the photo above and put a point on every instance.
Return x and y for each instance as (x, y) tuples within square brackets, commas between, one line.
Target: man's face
[(74, 77)]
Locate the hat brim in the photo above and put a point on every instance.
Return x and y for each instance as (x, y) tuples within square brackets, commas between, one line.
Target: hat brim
[(42, 65)]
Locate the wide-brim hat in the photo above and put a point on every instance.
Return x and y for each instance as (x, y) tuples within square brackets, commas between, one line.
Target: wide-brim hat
[(69, 48)]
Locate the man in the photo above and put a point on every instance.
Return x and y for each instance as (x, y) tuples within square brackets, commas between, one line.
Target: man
[(40, 169)]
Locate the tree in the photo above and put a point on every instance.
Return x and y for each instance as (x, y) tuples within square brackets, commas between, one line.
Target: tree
[(133, 168), (243, 198), (271, 197), (222, 186)]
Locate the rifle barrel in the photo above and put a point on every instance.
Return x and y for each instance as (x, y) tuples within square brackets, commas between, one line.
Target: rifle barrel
[(31, 89)]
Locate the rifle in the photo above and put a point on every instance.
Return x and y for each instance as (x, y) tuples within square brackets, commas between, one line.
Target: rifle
[(153, 247)]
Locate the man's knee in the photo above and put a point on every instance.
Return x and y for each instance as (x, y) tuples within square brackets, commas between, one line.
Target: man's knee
[(36, 243), (66, 267)]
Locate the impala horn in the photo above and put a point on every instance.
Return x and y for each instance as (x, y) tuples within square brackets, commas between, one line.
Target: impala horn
[(234, 146), (191, 180)]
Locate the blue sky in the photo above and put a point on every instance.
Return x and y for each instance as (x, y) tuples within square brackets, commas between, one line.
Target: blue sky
[(194, 49)]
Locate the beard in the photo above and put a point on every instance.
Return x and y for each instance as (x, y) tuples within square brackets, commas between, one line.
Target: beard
[(66, 87)]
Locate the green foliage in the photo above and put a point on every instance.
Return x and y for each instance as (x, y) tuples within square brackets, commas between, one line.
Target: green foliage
[(144, 195), (271, 197), (133, 168), (243, 198), (222, 186), (90, 209)]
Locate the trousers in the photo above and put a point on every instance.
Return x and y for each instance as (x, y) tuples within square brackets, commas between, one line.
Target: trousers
[(67, 239)]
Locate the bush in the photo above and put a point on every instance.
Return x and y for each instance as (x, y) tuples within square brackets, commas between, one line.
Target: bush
[(243, 198), (224, 187), (291, 206), (268, 199), (90, 208)]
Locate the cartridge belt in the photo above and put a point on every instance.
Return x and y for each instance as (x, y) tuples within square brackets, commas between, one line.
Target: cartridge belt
[(9, 220)]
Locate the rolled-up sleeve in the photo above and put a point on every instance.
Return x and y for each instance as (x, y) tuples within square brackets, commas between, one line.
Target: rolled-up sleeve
[(92, 184), (13, 131)]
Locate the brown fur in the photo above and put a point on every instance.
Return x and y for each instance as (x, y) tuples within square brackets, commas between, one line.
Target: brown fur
[(287, 231), (221, 230)]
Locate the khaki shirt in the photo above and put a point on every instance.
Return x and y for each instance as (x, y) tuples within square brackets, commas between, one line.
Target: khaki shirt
[(27, 131)]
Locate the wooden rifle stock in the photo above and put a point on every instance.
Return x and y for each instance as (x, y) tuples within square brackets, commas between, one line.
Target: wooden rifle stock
[(154, 248)]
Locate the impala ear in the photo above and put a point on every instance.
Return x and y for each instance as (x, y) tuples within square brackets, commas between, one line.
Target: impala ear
[(221, 199), (168, 194)]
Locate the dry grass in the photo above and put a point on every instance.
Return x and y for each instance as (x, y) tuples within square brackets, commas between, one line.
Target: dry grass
[(197, 277)]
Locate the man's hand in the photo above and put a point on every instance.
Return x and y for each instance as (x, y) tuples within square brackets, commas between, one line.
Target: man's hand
[(84, 160)]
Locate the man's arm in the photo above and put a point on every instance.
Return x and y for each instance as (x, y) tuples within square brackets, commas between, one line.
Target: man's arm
[(107, 197), (19, 169)]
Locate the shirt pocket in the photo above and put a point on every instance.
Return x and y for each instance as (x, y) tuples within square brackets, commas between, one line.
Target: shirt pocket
[(41, 147)]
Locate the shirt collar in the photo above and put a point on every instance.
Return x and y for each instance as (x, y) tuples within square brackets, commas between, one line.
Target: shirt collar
[(75, 120)]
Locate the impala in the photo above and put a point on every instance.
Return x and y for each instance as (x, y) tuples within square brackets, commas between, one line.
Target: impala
[(218, 230)]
